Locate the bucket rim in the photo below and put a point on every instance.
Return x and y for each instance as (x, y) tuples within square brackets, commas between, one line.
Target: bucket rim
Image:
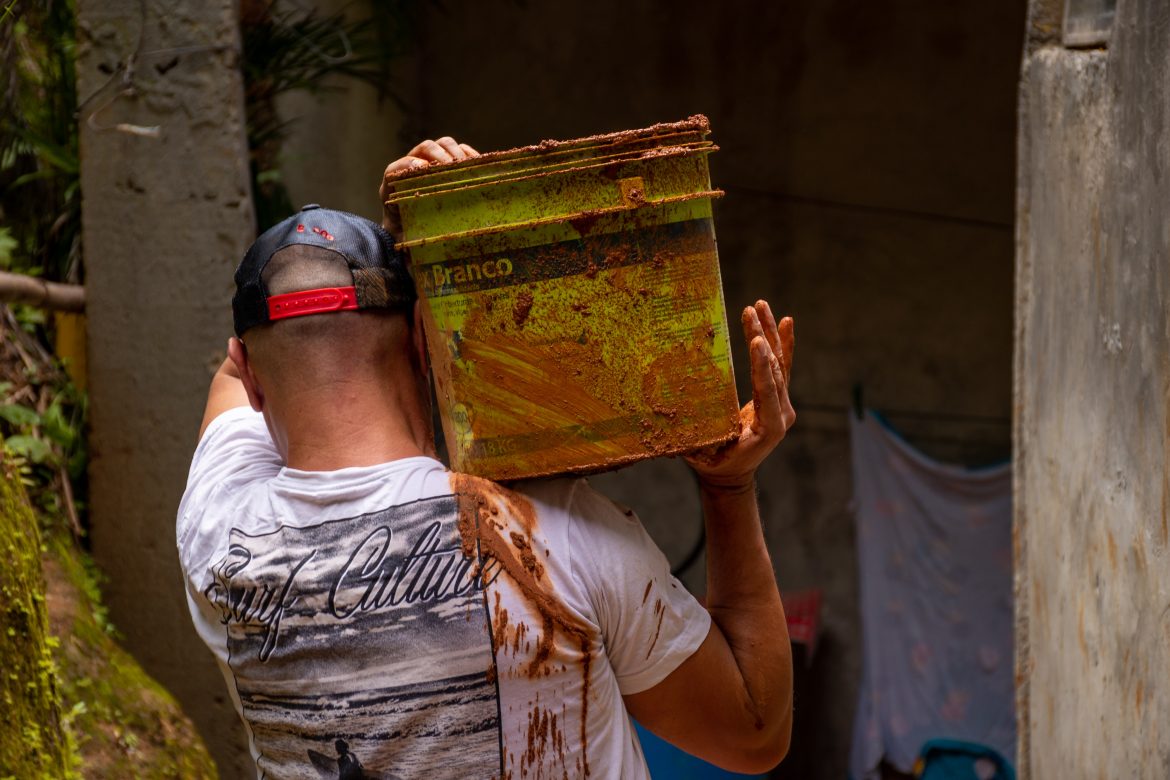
[(449, 179), (696, 123), (540, 172)]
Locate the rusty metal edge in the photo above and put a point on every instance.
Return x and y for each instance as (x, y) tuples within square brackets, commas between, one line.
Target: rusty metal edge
[(429, 240)]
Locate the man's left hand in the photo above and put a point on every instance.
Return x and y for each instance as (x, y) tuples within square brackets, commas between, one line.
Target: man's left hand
[(444, 150)]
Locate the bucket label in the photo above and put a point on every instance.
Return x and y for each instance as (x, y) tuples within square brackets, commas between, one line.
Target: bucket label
[(466, 275), (567, 258)]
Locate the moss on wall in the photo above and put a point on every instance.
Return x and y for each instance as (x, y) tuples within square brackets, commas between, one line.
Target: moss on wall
[(33, 742), (124, 723), (75, 703)]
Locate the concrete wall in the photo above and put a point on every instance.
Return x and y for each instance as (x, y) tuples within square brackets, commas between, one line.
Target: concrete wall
[(339, 142), (165, 221), (1092, 391)]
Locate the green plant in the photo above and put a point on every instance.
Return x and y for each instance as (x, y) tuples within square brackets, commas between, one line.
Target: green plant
[(42, 424), (41, 413), (40, 202)]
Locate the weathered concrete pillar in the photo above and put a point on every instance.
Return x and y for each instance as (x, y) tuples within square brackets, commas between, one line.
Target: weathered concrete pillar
[(1092, 386), (166, 215)]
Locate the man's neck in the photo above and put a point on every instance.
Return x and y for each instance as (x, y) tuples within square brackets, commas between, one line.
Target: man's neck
[(355, 429)]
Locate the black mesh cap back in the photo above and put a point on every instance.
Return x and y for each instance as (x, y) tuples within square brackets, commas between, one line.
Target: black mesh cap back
[(380, 277)]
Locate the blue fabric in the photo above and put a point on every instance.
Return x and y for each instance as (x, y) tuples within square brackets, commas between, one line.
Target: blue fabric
[(666, 762), (946, 759), (935, 559)]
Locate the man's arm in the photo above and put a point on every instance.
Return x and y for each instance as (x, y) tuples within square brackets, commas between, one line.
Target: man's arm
[(731, 701), (226, 392)]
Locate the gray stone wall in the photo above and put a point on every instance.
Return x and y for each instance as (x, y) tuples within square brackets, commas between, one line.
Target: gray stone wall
[(166, 217), (1092, 394)]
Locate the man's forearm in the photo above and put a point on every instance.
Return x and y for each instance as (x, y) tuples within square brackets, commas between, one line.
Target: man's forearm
[(228, 369), (740, 678), (744, 602)]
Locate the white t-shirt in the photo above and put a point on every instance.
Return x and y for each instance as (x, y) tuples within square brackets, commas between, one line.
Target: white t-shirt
[(401, 620)]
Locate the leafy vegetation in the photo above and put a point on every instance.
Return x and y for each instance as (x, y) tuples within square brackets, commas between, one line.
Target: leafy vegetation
[(40, 198), (42, 422), (42, 414)]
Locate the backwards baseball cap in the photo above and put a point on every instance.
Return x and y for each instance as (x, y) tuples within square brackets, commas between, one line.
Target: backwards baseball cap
[(355, 255)]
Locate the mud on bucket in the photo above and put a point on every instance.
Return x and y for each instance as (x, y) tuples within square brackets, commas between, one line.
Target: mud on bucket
[(572, 302)]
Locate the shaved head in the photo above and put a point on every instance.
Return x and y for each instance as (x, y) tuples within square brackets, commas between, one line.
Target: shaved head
[(305, 267), (322, 348)]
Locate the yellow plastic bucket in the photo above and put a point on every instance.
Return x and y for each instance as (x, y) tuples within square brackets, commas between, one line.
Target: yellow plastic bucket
[(572, 301)]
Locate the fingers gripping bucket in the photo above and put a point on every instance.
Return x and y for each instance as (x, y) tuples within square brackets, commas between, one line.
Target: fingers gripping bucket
[(572, 302)]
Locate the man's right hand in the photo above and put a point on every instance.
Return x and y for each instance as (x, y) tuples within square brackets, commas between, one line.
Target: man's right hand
[(765, 420), (444, 150)]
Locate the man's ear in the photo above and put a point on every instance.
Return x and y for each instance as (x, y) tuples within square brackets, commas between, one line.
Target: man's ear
[(238, 352)]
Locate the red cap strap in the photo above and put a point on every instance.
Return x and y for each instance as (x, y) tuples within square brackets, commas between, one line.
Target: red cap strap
[(296, 304)]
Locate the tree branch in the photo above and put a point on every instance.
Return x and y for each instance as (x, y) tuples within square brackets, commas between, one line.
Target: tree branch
[(17, 288)]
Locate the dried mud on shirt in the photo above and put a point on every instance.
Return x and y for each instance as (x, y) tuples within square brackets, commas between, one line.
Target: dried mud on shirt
[(538, 641)]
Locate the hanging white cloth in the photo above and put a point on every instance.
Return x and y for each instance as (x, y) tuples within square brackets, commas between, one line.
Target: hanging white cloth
[(935, 553)]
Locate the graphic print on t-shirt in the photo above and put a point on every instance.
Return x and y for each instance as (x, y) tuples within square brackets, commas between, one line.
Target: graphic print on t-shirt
[(361, 647)]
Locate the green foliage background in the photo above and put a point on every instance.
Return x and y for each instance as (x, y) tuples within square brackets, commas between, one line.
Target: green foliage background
[(42, 415), (40, 197)]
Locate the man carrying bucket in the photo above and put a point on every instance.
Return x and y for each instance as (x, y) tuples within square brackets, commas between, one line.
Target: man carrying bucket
[(357, 593)]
